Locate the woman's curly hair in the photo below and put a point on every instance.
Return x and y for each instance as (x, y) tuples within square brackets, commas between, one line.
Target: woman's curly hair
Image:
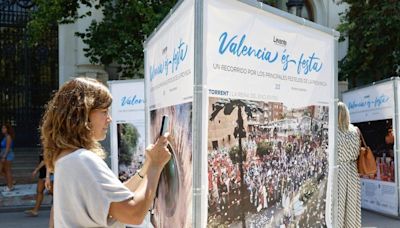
[(65, 124)]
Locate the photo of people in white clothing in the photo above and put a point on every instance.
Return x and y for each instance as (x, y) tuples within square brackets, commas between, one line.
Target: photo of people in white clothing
[(267, 164)]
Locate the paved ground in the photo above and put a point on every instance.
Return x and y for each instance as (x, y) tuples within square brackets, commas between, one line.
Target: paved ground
[(371, 219), (24, 195), (19, 220)]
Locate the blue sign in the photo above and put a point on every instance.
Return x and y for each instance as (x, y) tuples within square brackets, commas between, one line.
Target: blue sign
[(238, 46), (368, 102), (170, 63), (131, 101)]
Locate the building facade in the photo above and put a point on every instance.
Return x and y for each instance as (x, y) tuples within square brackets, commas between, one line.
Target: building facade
[(30, 74), (323, 12)]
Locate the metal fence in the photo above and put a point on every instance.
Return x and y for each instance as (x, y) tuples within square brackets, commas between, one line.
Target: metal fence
[(28, 74)]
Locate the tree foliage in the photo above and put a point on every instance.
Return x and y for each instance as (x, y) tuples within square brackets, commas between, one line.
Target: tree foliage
[(264, 148), (373, 29), (129, 138), (118, 38), (269, 2), (234, 154)]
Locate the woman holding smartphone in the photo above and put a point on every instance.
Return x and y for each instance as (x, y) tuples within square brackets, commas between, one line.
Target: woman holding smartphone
[(86, 191)]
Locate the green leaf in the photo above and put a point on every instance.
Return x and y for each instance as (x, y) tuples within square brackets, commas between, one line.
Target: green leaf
[(373, 31), (116, 39)]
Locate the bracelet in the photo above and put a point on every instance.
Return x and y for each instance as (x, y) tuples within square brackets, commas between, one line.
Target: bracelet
[(137, 172)]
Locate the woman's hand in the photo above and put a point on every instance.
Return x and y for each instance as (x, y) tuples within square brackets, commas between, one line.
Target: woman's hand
[(158, 154), (34, 173), (47, 183)]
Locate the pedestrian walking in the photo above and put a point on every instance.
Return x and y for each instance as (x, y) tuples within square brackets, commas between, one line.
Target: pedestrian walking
[(7, 155), (44, 179)]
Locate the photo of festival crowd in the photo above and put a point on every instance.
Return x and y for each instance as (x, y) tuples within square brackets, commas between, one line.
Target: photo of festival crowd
[(173, 203), (130, 149), (379, 136), (267, 164)]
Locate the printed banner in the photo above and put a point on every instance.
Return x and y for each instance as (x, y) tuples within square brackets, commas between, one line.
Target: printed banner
[(173, 203), (371, 110), (270, 130), (169, 59), (379, 196), (370, 103), (253, 54), (127, 127), (267, 163)]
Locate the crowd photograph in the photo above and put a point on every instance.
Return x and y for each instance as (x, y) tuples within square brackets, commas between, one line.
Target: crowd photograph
[(271, 173)]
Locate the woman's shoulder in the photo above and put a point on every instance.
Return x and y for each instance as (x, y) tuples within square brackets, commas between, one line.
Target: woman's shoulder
[(354, 131), (80, 158), (85, 154), (353, 128), (91, 158), (74, 155)]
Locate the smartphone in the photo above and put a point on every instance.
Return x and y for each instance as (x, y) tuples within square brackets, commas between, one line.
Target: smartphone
[(164, 125), (164, 128)]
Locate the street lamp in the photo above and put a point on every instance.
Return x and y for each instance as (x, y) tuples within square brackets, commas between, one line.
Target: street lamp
[(295, 7)]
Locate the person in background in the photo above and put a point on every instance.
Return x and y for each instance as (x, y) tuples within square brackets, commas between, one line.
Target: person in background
[(349, 188), (86, 191), (389, 141), (7, 155), (48, 184), (44, 177)]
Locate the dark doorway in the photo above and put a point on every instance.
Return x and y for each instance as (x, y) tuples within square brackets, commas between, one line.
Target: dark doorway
[(215, 145)]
